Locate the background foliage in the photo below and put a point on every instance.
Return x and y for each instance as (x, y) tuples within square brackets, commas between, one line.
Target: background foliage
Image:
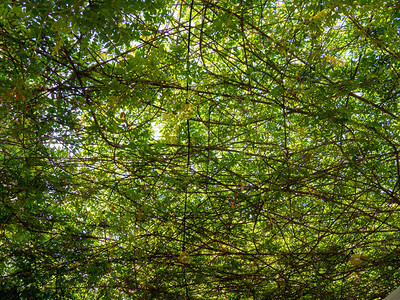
[(230, 149)]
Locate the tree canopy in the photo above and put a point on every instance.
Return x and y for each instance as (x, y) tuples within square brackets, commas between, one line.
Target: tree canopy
[(202, 149)]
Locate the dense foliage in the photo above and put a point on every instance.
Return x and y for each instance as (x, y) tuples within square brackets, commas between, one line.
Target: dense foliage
[(214, 149)]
